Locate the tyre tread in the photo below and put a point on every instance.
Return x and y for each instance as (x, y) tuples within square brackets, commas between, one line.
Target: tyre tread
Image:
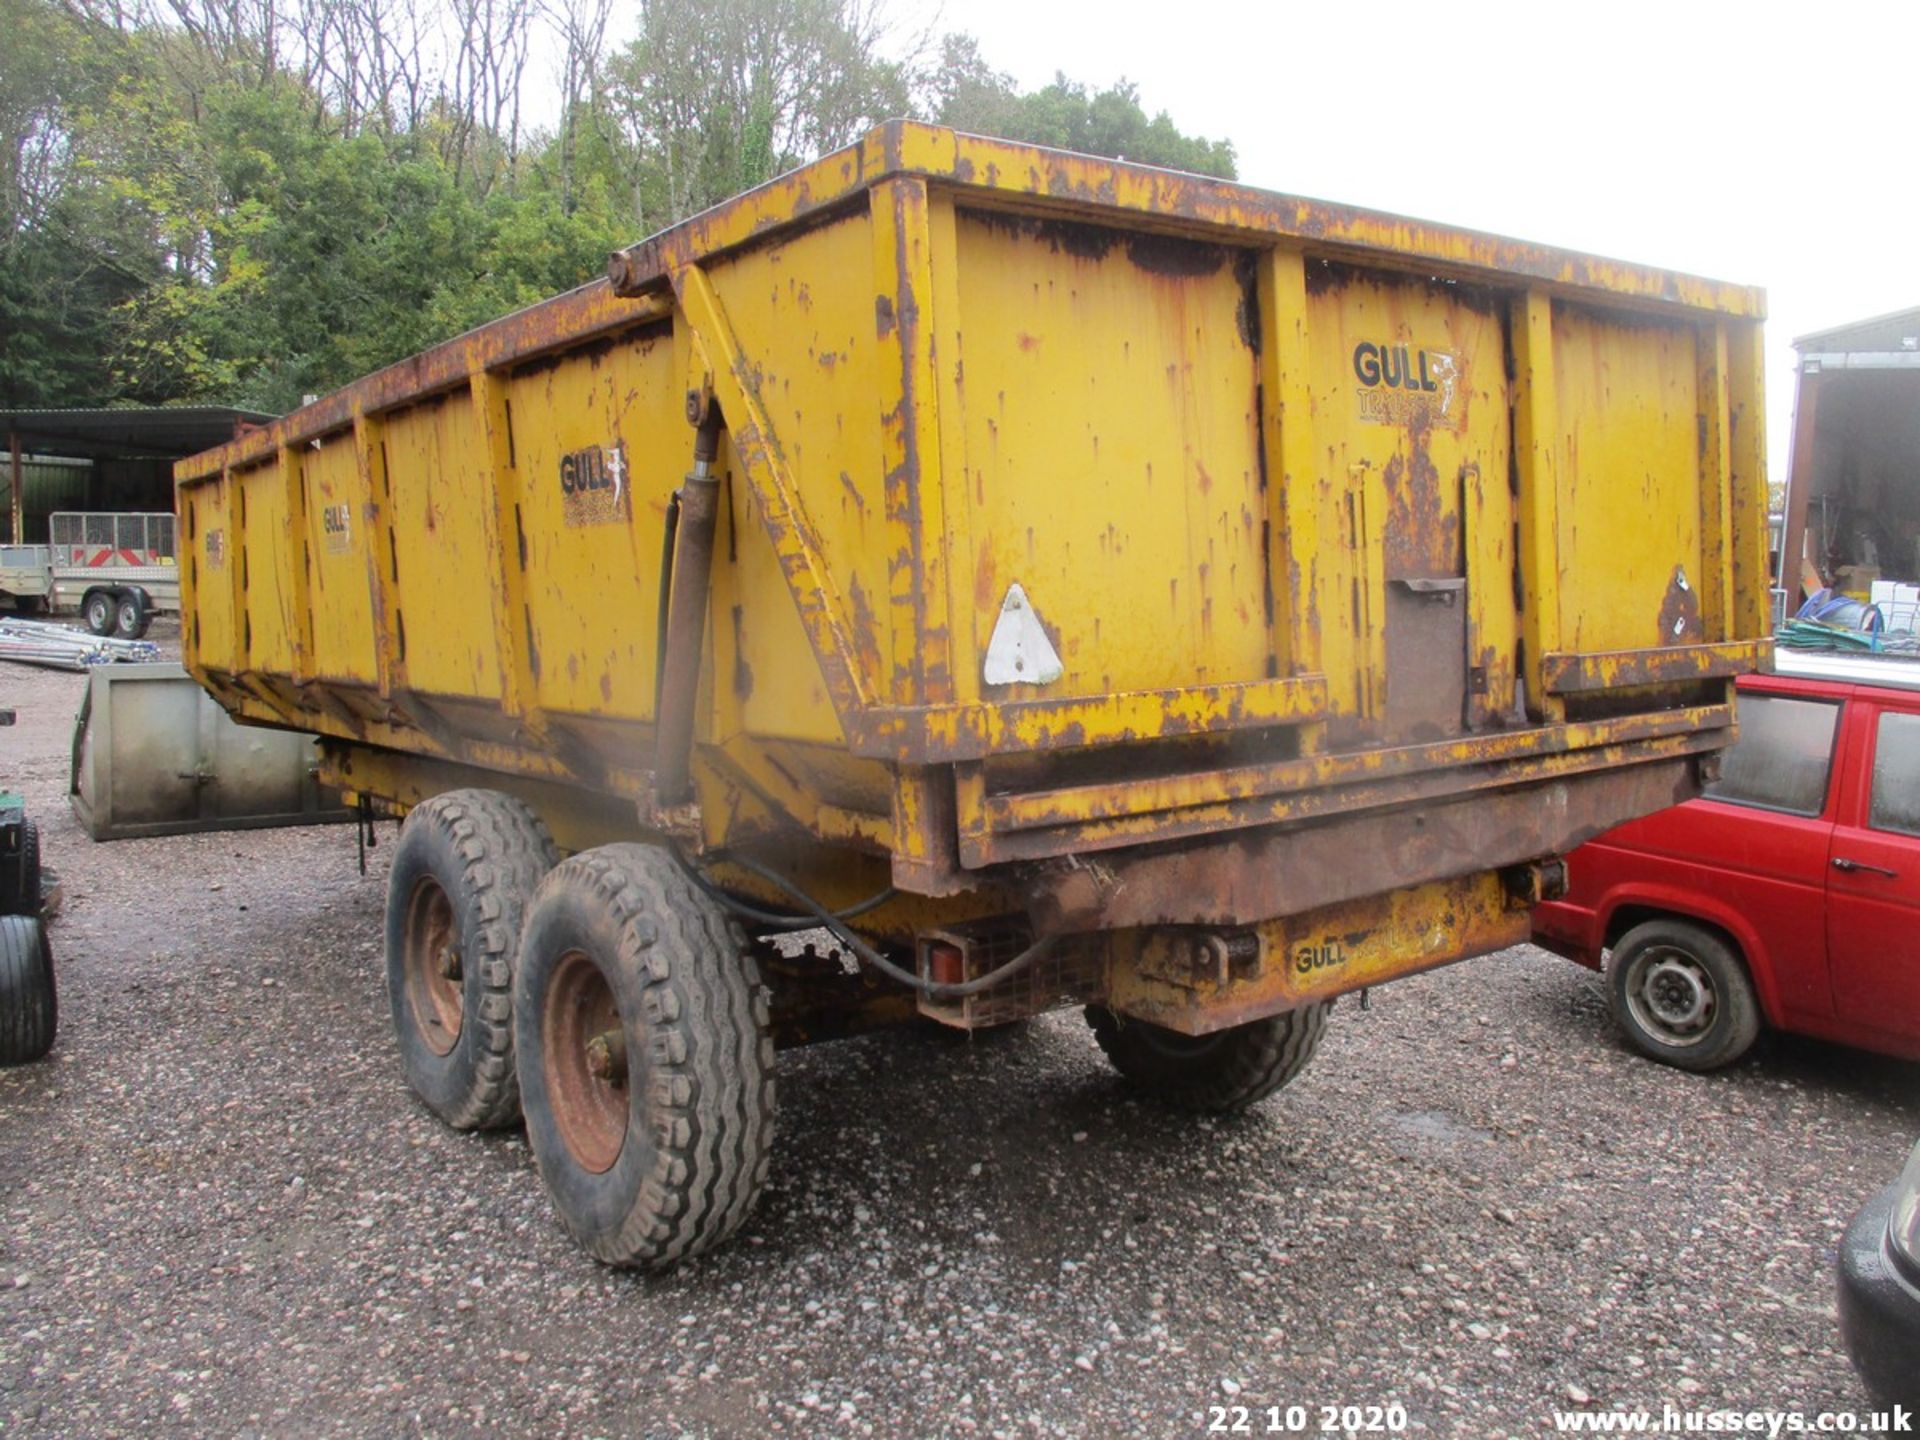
[(503, 849), (1251, 1062), (711, 1055), (22, 881), (29, 1003)]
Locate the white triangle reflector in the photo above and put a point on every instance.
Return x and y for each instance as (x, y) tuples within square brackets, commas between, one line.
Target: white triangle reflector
[(1019, 652)]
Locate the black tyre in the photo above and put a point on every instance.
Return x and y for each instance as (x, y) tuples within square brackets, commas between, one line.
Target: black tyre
[(466, 866), (21, 892), (99, 610), (129, 618), (1218, 1073), (29, 1009), (646, 1065), (1682, 995)]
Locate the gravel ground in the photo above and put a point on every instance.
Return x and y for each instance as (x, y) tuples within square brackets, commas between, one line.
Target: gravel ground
[(222, 1213)]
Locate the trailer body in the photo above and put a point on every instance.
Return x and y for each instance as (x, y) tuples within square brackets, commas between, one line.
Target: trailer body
[(98, 563), (1361, 559), (115, 551), (26, 574)]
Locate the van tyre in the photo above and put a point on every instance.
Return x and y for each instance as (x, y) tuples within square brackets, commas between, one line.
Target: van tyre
[(1218, 1073), (466, 866), (1682, 995), (29, 1009), (646, 1060)]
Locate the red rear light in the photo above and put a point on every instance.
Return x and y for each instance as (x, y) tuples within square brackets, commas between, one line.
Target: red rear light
[(945, 964)]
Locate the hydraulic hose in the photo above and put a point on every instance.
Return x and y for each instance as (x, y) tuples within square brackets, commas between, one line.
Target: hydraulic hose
[(773, 918), (816, 913)]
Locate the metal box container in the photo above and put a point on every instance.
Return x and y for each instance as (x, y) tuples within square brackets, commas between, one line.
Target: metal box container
[(1096, 545)]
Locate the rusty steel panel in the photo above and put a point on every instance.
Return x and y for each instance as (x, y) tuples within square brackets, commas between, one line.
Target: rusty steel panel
[(1615, 670), (1242, 878), (1408, 790), (1031, 175), (1317, 954)]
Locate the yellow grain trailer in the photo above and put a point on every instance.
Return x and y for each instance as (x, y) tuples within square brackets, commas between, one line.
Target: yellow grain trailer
[(959, 579)]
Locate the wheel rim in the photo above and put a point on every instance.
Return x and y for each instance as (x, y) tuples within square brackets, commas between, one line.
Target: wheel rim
[(584, 1062), (436, 979), (1671, 996)]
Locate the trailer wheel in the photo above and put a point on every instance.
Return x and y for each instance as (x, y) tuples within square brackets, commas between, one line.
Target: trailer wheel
[(467, 863), (1219, 1073), (29, 1009), (22, 895), (130, 618), (99, 610), (646, 1063)]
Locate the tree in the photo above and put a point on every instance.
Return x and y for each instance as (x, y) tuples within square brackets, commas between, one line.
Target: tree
[(72, 249), (964, 91), (718, 97), (245, 201), (334, 255)]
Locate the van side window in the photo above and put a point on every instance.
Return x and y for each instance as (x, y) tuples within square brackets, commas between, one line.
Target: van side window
[(1782, 757), (1896, 774)]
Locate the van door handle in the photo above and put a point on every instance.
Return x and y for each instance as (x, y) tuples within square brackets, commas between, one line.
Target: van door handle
[(1842, 863)]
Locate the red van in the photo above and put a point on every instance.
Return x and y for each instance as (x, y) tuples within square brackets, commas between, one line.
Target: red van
[(1789, 894)]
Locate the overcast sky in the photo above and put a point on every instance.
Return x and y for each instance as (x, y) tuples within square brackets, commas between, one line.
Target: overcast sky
[(1776, 145)]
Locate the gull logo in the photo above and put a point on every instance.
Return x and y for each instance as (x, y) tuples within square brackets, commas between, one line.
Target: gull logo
[(336, 528), (593, 485), (1400, 384)]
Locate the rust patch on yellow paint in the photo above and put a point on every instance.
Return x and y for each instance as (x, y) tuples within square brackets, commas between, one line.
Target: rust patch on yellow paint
[(1679, 622)]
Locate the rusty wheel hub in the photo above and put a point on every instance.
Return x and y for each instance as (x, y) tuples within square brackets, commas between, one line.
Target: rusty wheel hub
[(584, 1063), (435, 976)]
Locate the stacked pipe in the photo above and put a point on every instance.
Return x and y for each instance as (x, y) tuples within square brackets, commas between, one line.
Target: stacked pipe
[(65, 647)]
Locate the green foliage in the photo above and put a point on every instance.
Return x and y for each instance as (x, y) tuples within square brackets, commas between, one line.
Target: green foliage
[(194, 211), (70, 252), (717, 96), (968, 94)]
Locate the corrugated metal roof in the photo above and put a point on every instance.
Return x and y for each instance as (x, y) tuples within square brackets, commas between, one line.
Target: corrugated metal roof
[(166, 430), (1899, 331)]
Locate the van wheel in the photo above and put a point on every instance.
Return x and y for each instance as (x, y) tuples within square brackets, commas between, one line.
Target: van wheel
[(1682, 995), (29, 1009), (99, 611), (1218, 1073), (467, 863), (646, 1062), (130, 618)]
